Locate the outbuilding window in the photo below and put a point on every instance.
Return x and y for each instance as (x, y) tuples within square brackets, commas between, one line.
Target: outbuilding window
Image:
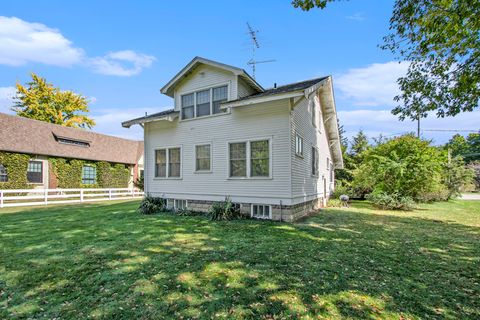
[(3, 173), (35, 171), (89, 174)]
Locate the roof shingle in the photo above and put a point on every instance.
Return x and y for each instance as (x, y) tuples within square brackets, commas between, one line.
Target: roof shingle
[(22, 135)]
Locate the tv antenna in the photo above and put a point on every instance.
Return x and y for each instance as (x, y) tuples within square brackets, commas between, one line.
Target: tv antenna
[(255, 45)]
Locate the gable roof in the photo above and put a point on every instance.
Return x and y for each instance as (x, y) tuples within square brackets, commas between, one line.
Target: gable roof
[(190, 67), (288, 88), (22, 135), (169, 114)]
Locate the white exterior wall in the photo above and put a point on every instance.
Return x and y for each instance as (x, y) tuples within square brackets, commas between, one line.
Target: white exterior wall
[(244, 89), (269, 121), (206, 77), (305, 186)]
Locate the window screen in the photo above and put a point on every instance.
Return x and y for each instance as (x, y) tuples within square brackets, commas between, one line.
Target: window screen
[(238, 159)]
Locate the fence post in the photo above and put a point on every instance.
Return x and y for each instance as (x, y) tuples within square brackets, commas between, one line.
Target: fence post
[(1, 198), (109, 194), (133, 194), (45, 194), (81, 195)]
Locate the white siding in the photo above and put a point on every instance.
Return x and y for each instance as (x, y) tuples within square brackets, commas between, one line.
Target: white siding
[(244, 89), (205, 77), (268, 120), (304, 185)]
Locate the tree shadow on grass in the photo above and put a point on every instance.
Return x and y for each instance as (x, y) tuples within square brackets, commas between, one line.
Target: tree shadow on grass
[(109, 262)]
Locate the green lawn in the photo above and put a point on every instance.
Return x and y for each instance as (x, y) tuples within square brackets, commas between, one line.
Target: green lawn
[(106, 261)]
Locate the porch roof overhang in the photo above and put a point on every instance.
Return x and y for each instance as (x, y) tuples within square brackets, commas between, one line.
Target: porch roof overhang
[(168, 115)]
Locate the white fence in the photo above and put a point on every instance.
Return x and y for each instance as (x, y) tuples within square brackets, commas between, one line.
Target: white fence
[(35, 197)]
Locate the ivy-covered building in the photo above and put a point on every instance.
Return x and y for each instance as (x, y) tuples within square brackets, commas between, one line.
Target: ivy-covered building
[(37, 154)]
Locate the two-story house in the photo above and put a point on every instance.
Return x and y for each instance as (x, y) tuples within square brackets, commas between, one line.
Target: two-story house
[(272, 151)]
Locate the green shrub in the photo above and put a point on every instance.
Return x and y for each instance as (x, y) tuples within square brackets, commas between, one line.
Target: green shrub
[(188, 213), (225, 210), (402, 167), (16, 165), (334, 203), (151, 205), (394, 201)]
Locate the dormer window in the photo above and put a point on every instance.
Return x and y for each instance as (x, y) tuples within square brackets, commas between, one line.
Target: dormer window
[(72, 141), (203, 103)]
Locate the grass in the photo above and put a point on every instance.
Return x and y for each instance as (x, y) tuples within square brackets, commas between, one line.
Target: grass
[(106, 261)]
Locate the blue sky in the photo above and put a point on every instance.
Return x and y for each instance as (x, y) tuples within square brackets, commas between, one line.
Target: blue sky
[(120, 53)]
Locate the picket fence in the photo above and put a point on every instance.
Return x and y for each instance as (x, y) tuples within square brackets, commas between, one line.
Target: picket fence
[(35, 197)]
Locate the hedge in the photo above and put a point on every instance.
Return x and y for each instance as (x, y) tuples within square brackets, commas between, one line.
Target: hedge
[(16, 165), (67, 171)]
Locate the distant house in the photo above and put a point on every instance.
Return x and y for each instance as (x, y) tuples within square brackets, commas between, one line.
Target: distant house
[(272, 151), (37, 154)]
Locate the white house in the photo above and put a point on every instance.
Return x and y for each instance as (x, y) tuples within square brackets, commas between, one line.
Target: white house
[(272, 151)]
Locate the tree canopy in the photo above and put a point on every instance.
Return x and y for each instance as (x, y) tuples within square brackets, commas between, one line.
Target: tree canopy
[(40, 100), (468, 148), (440, 39)]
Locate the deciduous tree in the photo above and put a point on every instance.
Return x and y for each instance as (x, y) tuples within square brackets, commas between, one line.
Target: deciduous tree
[(40, 100)]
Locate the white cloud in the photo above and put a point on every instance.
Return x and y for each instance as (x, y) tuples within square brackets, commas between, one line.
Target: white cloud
[(376, 122), (22, 42), (371, 86), (6, 98), (114, 63), (359, 16)]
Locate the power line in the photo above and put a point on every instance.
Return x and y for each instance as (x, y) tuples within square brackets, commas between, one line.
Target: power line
[(452, 130)]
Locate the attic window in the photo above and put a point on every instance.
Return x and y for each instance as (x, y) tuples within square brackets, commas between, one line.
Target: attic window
[(72, 142)]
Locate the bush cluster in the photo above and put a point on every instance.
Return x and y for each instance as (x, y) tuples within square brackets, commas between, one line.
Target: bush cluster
[(225, 210), (151, 205), (393, 201)]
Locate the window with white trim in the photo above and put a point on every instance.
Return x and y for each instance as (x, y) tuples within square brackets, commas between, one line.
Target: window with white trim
[(35, 171), (203, 157), (238, 159), (188, 106), (3, 173), (298, 145), (168, 163), (261, 211), (249, 159), (89, 174), (314, 112), (332, 170), (314, 161), (203, 103), (180, 204)]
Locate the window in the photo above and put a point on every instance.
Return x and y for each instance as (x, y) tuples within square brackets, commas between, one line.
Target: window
[(73, 142), (202, 158), (219, 96), (161, 163), (188, 104), (261, 211), (238, 159), (332, 170), (259, 157), (314, 161), (35, 172), (298, 145), (203, 103), (168, 163), (174, 162), (3, 174), (89, 174), (314, 113), (141, 173), (180, 204)]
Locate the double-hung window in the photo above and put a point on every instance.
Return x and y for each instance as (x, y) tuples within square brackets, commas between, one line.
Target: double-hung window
[(314, 161), (314, 112), (203, 103), (3, 173), (188, 106), (35, 172), (168, 163), (298, 145), (89, 174), (249, 159), (203, 158)]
